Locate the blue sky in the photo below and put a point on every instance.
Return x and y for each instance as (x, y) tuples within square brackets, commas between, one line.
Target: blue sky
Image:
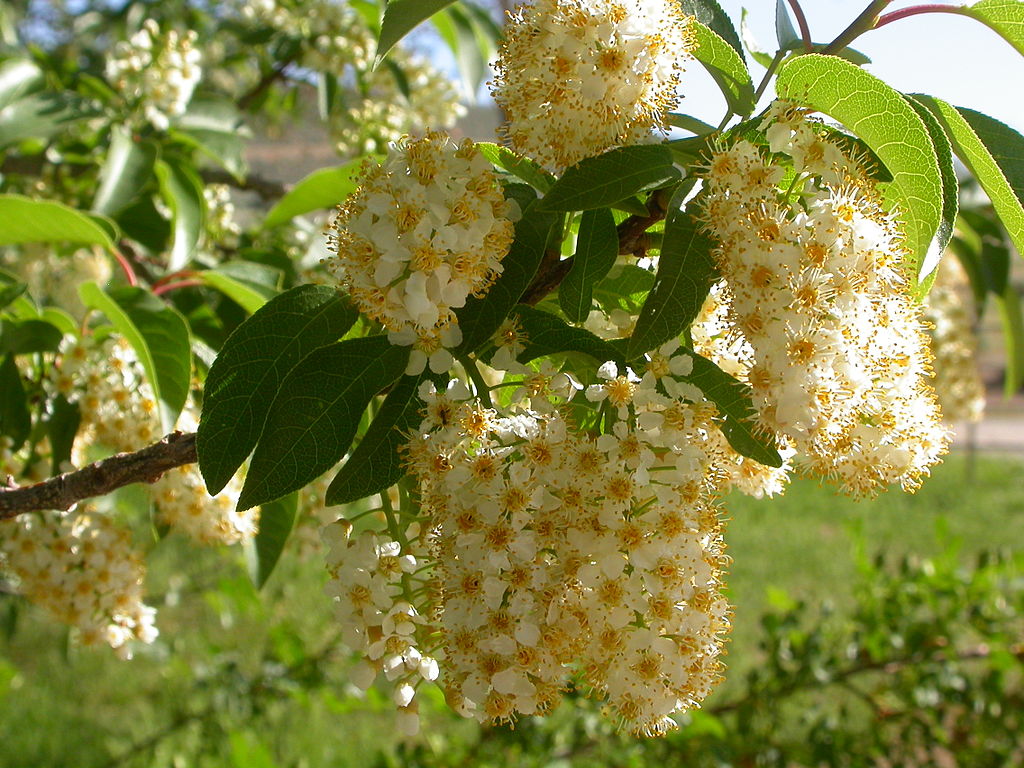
[(945, 55)]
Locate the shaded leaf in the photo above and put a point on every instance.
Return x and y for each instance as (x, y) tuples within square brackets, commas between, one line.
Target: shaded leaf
[(61, 429), (598, 182), (519, 166), (277, 518), (21, 337), (314, 417), (626, 288), (15, 419), (246, 376), (248, 284), (41, 115), (18, 77), (126, 171), (547, 334), (784, 31), (710, 14), (597, 247), (182, 190), (375, 463), (401, 17), (11, 291)]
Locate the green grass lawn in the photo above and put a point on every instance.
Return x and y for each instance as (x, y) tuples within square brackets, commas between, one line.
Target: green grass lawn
[(68, 706)]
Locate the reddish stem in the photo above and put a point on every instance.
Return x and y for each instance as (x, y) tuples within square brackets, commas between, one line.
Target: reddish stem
[(169, 278), (801, 20), (914, 10), (160, 290), (126, 267)]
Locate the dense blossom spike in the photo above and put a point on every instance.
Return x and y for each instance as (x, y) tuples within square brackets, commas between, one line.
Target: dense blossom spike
[(820, 320), (578, 77), (422, 233)]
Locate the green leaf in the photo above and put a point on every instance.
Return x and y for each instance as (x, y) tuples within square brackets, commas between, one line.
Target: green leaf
[(41, 115), (883, 118), (727, 68), (547, 334), (247, 283), (322, 189), (62, 320), (314, 417), (1013, 334), (626, 288), (401, 17), (992, 152), (225, 149), (710, 14), (519, 166), (11, 291), (469, 56), (44, 221), (598, 182), (18, 77), (732, 397), (21, 337), (690, 123), (126, 171), (15, 419), (597, 247), (784, 32), (61, 428), (248, 372), (182, 190), (277, 518), (755, 50), (159, 336), (950, 192), (1006, 17), (686, 272), (375, 465), (481, 317)]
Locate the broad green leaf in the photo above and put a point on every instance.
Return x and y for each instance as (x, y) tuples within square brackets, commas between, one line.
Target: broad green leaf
[(991, 151), (375, 464), (182, 190), (626, 288), (41, 115), (727, 68), (225, 149), (1006, 17), (469, 56), (208, 113), (126, 171), (277, 518), (686, 272), (248, 372), (142, 222), (247, 297), (11, 291), (61, 320), (547, 334), (326, 188), (481, 317), (43, 221), (401, 17), (314, 417), (784, 31), (882, 117), (597, 247), (950, 192), (710, 14), (22, 337), (166, 334), (159, 336), (18, 303), (519, 166), (61, 428), (690, 123), (1013, 334), (247, 283), (15, 418), (598, 182), (732, 397), (18, 77)]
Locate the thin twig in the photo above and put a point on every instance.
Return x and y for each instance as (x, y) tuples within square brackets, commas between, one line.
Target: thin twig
[(915, 10), (101, 477), (801, 20), (864, 22)]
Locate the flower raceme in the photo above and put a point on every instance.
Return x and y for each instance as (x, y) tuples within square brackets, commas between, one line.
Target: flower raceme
[(422, 233), (820, 320), (578, 77)]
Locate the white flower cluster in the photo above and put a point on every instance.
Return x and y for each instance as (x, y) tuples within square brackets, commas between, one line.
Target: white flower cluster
[(837, 357), (106, 380), (423, 232), (53, 278), (948, 311), (377, 111), (221, 226), (160, 70), (577, 77), (544, 551), (83, 571)]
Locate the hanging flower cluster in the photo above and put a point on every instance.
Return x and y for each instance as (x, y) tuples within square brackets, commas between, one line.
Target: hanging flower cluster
[(423, 232), (160, 70), (832, 344), (53, 277), (545, 551), (82, 570), (577, 77), (119, 412), (948, 311)]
